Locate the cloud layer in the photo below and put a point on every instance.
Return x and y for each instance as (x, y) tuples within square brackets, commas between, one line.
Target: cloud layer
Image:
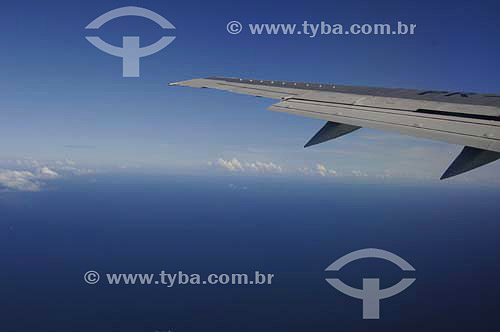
[(18, 180), (234, 165), (32, 175), (26, 180)]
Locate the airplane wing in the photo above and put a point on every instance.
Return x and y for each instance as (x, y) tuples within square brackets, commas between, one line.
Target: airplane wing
[(468, 119)]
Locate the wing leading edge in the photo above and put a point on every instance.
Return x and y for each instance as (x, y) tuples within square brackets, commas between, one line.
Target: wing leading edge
[(468, 119)]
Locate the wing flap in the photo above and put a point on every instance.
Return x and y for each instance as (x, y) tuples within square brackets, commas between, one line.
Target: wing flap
[(397, 103), (482, 134)]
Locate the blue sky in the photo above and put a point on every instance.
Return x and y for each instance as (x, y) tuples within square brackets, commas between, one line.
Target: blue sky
[(63, 99), (110, 156)]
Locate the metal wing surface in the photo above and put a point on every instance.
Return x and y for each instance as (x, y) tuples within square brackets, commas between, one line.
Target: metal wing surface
[(468, 119)]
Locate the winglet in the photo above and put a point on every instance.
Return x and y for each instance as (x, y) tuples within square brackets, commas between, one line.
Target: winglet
[(330, 131), (469, 159)]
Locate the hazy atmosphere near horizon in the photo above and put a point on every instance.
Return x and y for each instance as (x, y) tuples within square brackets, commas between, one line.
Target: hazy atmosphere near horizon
[(128, 175)]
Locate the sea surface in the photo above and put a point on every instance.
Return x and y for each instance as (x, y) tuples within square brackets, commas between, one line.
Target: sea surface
[(292, 229)]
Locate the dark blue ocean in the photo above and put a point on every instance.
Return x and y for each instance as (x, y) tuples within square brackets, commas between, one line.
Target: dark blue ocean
[(293, 229)]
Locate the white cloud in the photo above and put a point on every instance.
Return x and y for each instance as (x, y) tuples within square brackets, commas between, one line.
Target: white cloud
[(25, 180), (231, 165), (234, 165), (19, 180), (356, 172), (47, 173), (76, 170), (30, 175), (323, 171), (237, 187), (319, 170), (264, 167), (28, 162)]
